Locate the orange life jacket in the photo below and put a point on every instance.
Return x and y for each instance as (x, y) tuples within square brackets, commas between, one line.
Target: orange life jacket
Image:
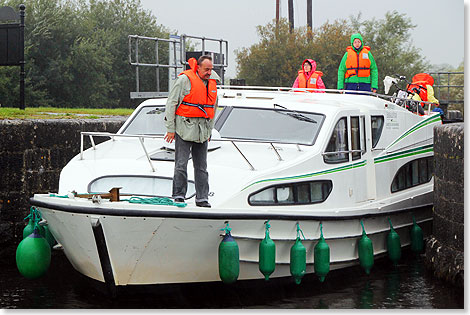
[(357, 63), (311, 83), (419, 83), (201, 99)]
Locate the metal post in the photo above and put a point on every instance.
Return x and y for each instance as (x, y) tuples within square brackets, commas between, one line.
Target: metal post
[(309, 14), (277, 13), (22, 61), (291, 15), (137, 61), (157, 68)]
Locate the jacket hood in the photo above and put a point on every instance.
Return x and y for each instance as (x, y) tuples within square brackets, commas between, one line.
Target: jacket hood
[(353, 37), (312, 62)]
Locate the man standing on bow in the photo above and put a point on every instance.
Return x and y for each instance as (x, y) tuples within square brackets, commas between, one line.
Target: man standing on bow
[(189, 119)]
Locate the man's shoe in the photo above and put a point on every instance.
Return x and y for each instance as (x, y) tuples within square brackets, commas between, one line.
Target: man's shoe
[(203, 204), (179, 199)]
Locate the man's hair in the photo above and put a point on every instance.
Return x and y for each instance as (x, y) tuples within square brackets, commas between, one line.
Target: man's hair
[(202, 58)]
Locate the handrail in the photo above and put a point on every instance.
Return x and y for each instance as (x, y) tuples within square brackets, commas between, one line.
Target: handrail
[(91, 134), (289, 90)]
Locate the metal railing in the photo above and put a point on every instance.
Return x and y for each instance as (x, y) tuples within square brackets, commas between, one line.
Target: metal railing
[(141, 138), (134, 41), (177, 43), (440, 87)]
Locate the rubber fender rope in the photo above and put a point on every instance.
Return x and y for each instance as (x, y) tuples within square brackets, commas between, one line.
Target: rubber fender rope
[(299, 230), (34, 215), (321, 230), (227, 228), (267, 225), (155, 201), (363, 229)]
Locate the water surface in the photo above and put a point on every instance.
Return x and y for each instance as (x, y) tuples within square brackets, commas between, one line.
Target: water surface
[(407, 286)]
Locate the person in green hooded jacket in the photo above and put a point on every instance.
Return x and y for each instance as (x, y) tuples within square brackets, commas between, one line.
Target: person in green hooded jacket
[(358, 70)]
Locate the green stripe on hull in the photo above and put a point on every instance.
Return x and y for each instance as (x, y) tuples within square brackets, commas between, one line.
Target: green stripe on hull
[(406, 153), (330, 171), (433, 119)]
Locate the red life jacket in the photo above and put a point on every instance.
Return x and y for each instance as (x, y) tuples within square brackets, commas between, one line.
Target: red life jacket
[(418, 85), (357, 63), (201, 99), (311, 83)]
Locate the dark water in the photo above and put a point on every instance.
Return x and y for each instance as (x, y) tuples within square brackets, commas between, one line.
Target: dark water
[(406, 286)]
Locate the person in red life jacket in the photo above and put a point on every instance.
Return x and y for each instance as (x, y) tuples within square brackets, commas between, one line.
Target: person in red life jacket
[(308, 77), (358, 70), (421, 86), (189, 120)]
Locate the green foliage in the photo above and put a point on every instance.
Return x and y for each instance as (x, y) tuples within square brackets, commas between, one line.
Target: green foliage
[(76, 53), (275, 60)]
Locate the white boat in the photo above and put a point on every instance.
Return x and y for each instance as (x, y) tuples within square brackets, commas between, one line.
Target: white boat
[(298, 159)]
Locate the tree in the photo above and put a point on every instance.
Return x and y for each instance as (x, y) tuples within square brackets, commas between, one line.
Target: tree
[(77, 52), (277, 57)]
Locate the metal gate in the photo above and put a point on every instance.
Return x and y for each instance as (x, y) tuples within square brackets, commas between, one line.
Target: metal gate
[(447, 88), (178, 56)]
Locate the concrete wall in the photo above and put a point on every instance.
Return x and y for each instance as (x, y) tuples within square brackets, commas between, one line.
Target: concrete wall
[(32, 153), (445, 250)]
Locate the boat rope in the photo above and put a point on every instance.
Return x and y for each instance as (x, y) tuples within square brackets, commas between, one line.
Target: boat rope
[(299, 231), (321, 230), (58, 196), (155, 201), (149, 201), (227, 228)]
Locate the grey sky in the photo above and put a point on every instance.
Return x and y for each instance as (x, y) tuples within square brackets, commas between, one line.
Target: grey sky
[(439, 32)]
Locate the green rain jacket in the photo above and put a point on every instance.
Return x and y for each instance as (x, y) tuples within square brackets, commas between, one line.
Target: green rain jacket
[(373, 79)]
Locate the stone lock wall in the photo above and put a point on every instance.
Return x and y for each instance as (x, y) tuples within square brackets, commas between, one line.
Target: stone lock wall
[(445, 249), (32, 154)]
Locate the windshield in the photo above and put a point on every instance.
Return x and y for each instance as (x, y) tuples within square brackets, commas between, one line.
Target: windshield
[(148, 121), (273, 124)]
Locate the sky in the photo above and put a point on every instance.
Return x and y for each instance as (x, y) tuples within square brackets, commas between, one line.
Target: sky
[(439, 32)]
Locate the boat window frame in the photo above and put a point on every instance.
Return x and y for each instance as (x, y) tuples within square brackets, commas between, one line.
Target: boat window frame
[(408, 176), (352, 153), (294, 186)]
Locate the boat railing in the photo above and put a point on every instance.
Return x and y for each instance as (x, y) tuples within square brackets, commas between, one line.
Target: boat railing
[(92, 134), (289, 90)]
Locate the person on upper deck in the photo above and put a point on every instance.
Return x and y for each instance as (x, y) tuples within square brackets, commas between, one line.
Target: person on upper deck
[(308, 77), (358, 70), (421, 85)]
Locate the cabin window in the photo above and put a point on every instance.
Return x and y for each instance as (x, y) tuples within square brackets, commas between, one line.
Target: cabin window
[(337, 148), (377, 124), (292, 194), (270, 125), (149, 120), (413, 173), (355, 138)]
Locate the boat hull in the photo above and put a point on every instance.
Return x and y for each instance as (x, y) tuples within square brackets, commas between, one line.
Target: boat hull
[(155, 247)]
